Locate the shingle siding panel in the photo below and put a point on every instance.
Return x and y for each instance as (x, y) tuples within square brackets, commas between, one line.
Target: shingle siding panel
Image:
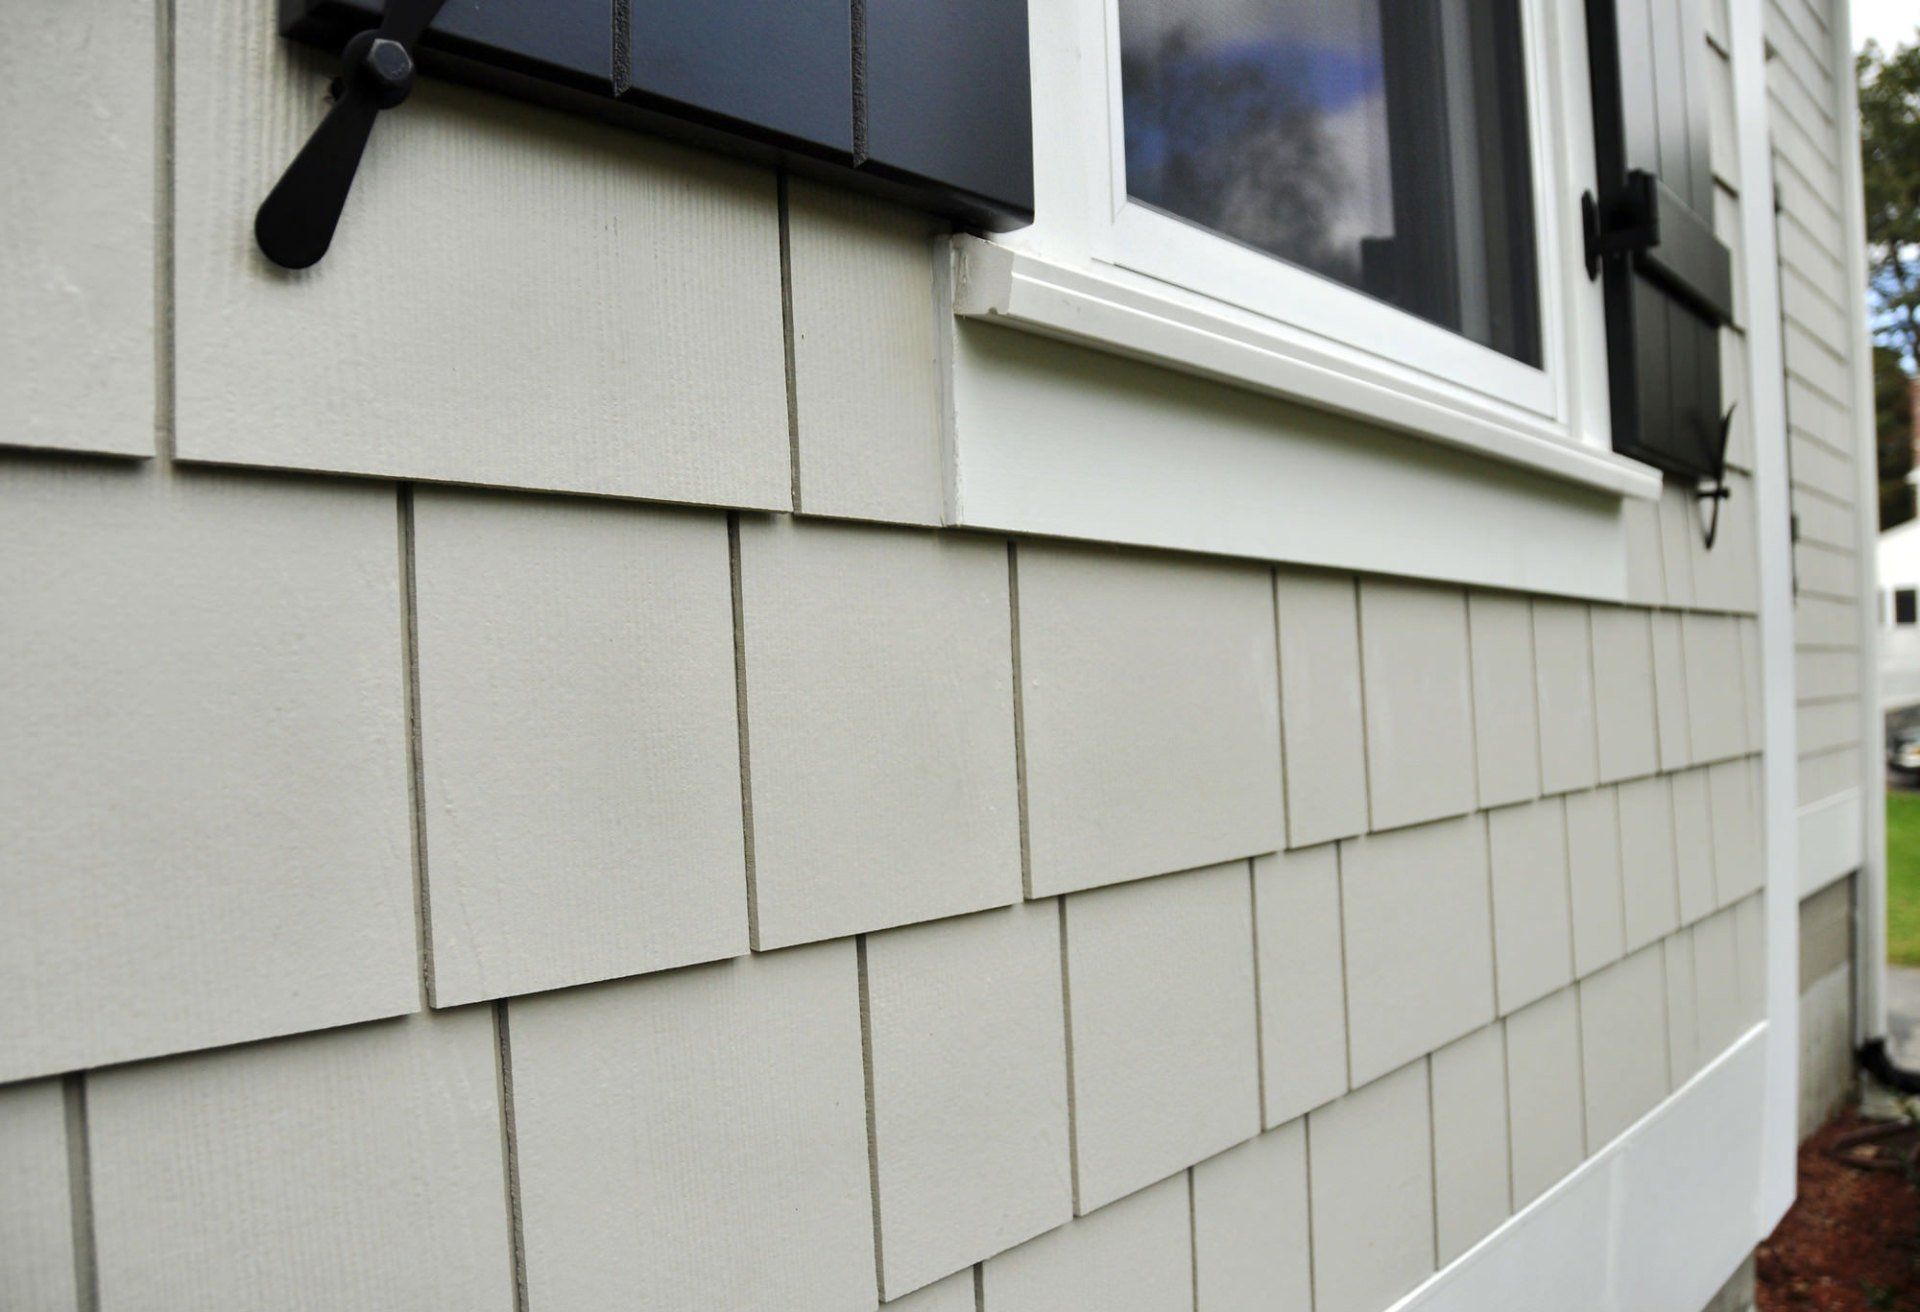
[(1370, 1158), (1563, 657), (1134, 1255), (359, 1168), (1303, 992), (865, 358), (1648, 876), (36, 1207), (660, 1120), (1593, 856), (879, 693), (967, 1049), (1165, 1044), (1506, 712), (1544, 1093), (515, 297), (1250, 1249), (1532, 917), (1419, 699), (1470, 1166), (1322, 714), (1150, 703), (203, 762), (1419, 943), (579, 745), (77, 364), (1625, 728)]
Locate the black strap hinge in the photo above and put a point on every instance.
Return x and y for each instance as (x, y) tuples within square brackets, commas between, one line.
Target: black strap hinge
[(1632, 226)]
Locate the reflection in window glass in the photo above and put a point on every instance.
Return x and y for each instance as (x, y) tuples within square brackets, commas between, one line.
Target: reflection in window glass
[(1381, 143)]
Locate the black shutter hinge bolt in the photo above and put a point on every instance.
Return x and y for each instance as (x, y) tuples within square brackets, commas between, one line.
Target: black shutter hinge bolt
[(296, 221)]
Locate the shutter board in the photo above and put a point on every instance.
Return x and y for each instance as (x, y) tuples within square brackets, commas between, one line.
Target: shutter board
[(1668, 280), (947, 95), (946, 116)]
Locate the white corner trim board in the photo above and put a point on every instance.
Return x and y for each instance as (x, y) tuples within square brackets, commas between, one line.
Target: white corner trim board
[(994, 282), (1832, 843), (1654, 1222)]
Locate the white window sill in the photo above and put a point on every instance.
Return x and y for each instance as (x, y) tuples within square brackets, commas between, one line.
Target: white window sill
[(994, 283)]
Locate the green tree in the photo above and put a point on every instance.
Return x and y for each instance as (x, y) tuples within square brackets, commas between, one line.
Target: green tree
[(1893, 436), (1890, 174)]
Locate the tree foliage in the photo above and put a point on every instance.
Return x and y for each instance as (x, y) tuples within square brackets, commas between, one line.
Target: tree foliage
[(1890, 173)]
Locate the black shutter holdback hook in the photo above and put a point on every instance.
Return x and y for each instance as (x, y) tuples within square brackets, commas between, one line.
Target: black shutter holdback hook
[(295, 223)]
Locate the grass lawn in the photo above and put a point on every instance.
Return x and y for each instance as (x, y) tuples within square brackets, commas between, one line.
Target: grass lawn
[(1903, 878)]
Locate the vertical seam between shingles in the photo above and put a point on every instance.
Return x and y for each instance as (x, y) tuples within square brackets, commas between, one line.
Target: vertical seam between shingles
[(1346, 987), (86, 1265), (1433, 1161), (1473, 703), (1493, 914), (1306, 1145), (1573, 910), (1360, 662), (785, 199), (1280, 711), (1193, 1236), (510, 1153), (873, 1123), (1593, 687), (416, 761), (1259, 1025), (979, 1287), (165, 407), (1066, 1014), (1580, 1060), (1019, 720), (1506, 1096), (740, 715)]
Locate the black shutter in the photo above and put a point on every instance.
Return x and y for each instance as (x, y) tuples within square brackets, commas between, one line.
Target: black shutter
[(923, 101), (1668, 281)]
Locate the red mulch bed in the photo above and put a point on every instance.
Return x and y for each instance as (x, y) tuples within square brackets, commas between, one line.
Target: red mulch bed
[(1851, 1242)]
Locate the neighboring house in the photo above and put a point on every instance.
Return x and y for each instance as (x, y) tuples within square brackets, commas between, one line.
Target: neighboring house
[(1899, 615), (710, 718)]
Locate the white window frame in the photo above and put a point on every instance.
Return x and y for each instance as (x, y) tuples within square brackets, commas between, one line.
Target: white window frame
[(1212, 306)]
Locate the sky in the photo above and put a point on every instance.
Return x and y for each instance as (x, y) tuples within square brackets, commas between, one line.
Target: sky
[(1888, 21)]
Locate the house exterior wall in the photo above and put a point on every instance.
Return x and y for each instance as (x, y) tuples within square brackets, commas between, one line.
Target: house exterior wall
[(514, 798), (1809, 83)]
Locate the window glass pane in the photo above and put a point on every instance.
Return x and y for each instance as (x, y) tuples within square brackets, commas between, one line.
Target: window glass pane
[(1903, 606), (1381, 143)]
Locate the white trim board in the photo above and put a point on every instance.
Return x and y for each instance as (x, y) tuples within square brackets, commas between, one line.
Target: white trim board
[(1103, 313), (1870, 945), (1759, 271), (1050, 438), (1654, 1222), (1832, 840)]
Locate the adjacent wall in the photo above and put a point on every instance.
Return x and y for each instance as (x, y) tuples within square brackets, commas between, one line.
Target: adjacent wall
[(596, 883), (1810, 99)]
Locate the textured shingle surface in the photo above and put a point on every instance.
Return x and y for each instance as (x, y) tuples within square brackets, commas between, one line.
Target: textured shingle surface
[(532, 893)]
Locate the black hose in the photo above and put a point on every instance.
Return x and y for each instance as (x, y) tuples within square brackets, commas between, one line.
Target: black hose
[(1874, 1059)]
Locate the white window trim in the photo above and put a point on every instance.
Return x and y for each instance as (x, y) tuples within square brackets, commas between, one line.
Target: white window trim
[(1102, 272)]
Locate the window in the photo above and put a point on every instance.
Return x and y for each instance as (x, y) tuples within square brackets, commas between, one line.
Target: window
[(1379, 143), (1905, 611)]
